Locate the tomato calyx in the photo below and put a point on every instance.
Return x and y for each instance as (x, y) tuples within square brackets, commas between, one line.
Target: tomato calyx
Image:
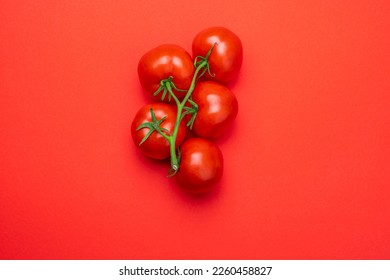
[(204, 59), (166, 86), (154, 125), (193, 111)]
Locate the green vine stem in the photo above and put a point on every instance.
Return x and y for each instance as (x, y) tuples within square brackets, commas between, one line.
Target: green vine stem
[(180, 106)]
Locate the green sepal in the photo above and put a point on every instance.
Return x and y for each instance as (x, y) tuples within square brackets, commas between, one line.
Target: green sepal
[(166, 86), (193, 110), (154, 125)]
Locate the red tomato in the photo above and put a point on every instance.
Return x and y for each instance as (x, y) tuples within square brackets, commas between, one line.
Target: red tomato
[(163, 62), (226, 58), (218, 109), (201, 165), (156, 146)]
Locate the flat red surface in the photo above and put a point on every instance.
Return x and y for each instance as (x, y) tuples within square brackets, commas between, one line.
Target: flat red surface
[(307, 163)]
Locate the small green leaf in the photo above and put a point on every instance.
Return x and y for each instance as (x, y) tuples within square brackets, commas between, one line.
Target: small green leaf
[(146, 136), (209, 71), (154, 120), (198, 60), (194, 105), (164, 94), (193, 110), (192, 120), (144, 125), (158, 91)]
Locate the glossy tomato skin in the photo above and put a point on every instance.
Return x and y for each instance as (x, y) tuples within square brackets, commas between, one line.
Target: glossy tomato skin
[(156, 146), (201, 165), (218, 108), (226, 58), (162, 62)]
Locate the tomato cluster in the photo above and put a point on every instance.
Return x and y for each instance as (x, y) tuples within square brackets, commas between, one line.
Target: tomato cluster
[(189, 93)]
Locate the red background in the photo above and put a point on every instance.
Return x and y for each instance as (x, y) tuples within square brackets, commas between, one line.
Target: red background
[(306, 164)]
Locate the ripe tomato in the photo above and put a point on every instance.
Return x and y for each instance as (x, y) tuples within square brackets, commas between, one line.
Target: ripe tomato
[(218, 108), (163, 62), (226, 58), (156, 146), (201, 165)]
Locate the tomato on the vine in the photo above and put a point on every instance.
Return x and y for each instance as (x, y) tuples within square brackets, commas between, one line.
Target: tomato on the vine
[(155, 145), (218, 108), (166, 62), (201, 165), (226, 58), (168, 73)]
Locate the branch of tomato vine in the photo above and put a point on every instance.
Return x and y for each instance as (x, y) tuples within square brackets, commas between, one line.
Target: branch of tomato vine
[(180, 106), (167, 86)]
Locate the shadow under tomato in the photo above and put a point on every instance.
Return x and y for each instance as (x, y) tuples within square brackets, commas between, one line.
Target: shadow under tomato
[(196, 198), (227, 137), (155, 165)]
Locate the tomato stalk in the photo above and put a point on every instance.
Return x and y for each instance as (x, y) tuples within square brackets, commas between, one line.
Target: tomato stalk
[(180, 107)]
